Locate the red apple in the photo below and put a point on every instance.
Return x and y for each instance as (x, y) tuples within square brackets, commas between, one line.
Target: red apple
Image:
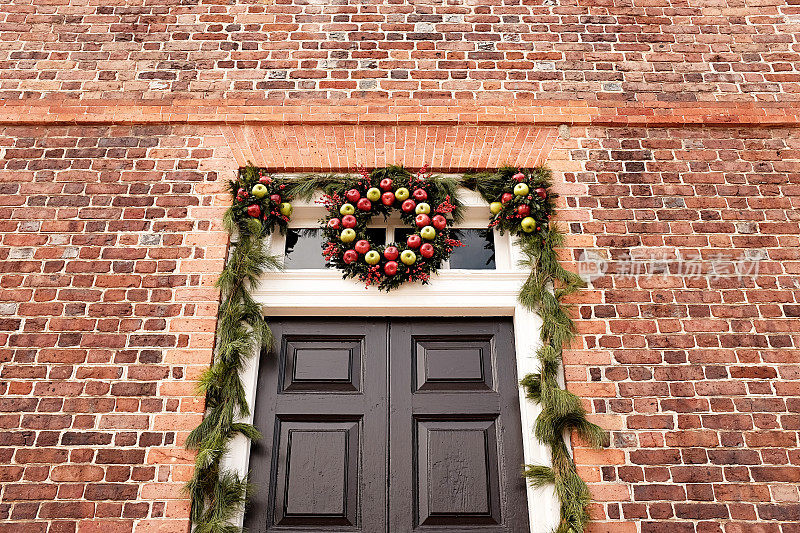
[(426, 250), (275, 198), (350, 256), (352, 195), (335, 223), (439, 222), (414, 241), (541, 192), (420, 195), (523, 210), (362, 246), (386, 184), (387, 198), (390, 268), (391, 253), (254, 211), (507, 196), (364, 204), (422, 220), (266, 180), (408, 206), (349, 221), (519, 176)]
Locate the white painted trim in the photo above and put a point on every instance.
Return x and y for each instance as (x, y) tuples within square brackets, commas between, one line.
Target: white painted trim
[(451, 293)]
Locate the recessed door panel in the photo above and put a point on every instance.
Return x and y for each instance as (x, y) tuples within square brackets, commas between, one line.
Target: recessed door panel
[(317, 473), (324, 363), (457, 471), (448, 364)]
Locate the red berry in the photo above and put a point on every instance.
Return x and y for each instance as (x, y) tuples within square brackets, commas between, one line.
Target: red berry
[(241, 192), (254, 211), (426, 250), (350, 256), (352, 195), (391, 253), (349, 221), (422, 220), (386, 184), (507, 197), (387, 198), (390, 268), (439, 222), (414, 241), (420, 195), (408, 206)]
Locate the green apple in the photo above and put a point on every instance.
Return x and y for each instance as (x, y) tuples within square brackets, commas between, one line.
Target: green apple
[(347, 209), (408, 257), (260, 190), (428, 233), (495, 207), (374, 194), (372, 257), (520, 189), (285, 209), (528, 224), (422, 208), (402, 194), (348, 235)]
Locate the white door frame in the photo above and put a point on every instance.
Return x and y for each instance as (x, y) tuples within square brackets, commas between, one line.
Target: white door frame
[(451, 293)]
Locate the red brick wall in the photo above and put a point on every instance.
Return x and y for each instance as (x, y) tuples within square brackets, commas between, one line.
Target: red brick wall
[(696, 374), (110, 242), (667, 50)]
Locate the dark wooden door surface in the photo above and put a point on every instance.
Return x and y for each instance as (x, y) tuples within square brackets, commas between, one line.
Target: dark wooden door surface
[(388, 426)]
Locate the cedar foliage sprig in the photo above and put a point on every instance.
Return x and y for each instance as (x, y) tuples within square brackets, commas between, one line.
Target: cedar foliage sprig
[(544, 291), (218, 494)]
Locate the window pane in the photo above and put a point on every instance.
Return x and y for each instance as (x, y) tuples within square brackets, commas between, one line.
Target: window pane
[(401, 235), (477, 252), (376, 236), (304, 249)]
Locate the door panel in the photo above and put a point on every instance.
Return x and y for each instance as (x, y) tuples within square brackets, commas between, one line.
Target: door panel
[(317, 481), (388, 426), (455, 437), (321, 407)]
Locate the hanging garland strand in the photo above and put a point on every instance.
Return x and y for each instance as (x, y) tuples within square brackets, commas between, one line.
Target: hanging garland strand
[(259, 203), (543, 292), (218, 494)]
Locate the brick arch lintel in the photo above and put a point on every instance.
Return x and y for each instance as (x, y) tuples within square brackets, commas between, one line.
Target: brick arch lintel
[(443, 148)]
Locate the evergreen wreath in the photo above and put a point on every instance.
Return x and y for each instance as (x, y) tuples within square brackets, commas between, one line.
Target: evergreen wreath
[(218, 494), (425, 203)]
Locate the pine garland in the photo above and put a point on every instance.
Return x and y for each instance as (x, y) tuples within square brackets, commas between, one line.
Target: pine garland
[(543, 292), (218, 494)]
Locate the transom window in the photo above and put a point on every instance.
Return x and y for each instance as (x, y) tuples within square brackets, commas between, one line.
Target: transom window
[(303, 247)]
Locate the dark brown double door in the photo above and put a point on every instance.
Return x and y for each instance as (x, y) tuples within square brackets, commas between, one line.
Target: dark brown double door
[(388, 426)]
